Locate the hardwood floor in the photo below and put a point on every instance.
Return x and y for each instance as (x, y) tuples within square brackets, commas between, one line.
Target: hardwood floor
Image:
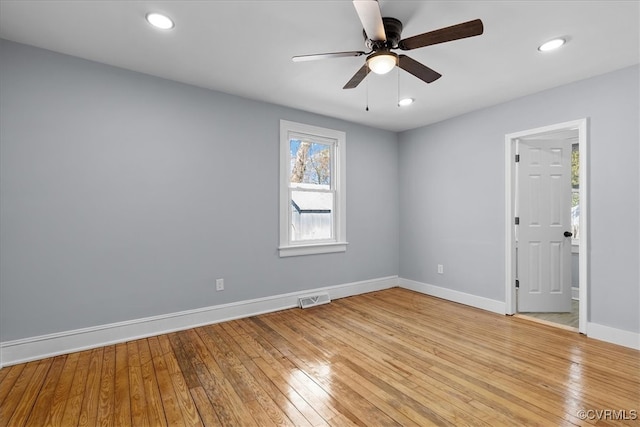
[(392, 357)]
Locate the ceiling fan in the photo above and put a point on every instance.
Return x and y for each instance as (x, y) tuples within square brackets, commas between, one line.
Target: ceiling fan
[(382, 35)]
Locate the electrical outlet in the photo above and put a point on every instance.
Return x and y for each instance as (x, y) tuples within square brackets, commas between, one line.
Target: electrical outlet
[(219, 284), (440, 269)]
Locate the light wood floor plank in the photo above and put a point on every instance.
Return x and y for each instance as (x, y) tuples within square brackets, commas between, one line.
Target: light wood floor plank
[(166, 391), (267, 372), (324, 402), (18, 382), (519, 364), (155, 409), (106, 398), (317, 365), (61, 393), (10, 378), (137, 397), (271, 360), (380, 396), (270, 391), (40, 410), (221, 364), (30, 395), (211, 380), (183, 396), (91, 395), (272, 404), (393, 357), (203, 404), (76, 392), (3, 374), (458, 356), (122, 401), (375, 367)]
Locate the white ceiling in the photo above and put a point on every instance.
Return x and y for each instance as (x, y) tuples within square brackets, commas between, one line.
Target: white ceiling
[(245, 48)]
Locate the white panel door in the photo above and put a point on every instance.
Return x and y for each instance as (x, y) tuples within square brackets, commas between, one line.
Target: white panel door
[(544, 210)]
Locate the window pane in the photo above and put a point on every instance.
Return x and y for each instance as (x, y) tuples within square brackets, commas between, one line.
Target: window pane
[(310, 163), (575, 191), (575, 214), (575, 166), (311, 215)]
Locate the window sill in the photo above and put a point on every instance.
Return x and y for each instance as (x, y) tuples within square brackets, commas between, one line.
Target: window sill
[(312, 249)]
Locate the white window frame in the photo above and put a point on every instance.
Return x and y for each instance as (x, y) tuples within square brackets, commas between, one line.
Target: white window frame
[(338, 243)]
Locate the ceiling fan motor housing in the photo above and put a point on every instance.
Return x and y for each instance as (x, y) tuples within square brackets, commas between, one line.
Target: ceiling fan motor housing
[(393, 31)]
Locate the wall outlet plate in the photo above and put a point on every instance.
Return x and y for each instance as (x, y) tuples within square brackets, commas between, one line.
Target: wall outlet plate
[(219, 284)]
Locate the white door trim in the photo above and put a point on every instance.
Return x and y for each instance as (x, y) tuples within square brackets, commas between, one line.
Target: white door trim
[(510, 270)]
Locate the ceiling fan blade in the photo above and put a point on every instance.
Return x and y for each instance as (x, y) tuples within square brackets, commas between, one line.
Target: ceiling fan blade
[(454, 32), (419, 70), (316, 56), (369, 13), (357, 77)]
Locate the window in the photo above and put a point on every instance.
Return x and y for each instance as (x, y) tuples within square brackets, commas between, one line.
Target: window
[(312, 190), (575, 192)]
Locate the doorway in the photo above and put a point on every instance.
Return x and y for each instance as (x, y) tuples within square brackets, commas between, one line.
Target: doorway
[(574, 132)]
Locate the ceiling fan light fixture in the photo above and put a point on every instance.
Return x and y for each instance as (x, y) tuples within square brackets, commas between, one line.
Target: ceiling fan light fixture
[(382, 62), (159, 20), (552, 45)]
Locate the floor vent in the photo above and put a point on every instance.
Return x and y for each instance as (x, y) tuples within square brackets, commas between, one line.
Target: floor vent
[(313, 300)]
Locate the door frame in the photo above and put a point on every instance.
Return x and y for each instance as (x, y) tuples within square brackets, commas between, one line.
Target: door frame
[(581, 125)]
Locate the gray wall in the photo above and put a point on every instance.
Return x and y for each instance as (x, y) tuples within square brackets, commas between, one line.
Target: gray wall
[(125, 196), (452, 193)]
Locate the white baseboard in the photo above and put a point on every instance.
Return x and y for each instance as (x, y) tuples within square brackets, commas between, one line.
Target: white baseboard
[(455, 296), (613, 335), (594, 330), (34, 348)]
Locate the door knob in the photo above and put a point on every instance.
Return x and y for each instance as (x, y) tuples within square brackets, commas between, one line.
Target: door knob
[(568, 234)]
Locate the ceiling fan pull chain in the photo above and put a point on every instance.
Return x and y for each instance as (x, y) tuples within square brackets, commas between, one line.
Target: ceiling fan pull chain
[(398, 74), (367, 89)]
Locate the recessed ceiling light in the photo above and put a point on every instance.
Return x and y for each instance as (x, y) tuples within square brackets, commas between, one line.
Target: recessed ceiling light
[(551, 45), (405, 101), (159, 20)]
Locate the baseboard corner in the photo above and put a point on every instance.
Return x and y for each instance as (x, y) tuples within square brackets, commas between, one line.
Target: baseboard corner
[(483, 303)]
